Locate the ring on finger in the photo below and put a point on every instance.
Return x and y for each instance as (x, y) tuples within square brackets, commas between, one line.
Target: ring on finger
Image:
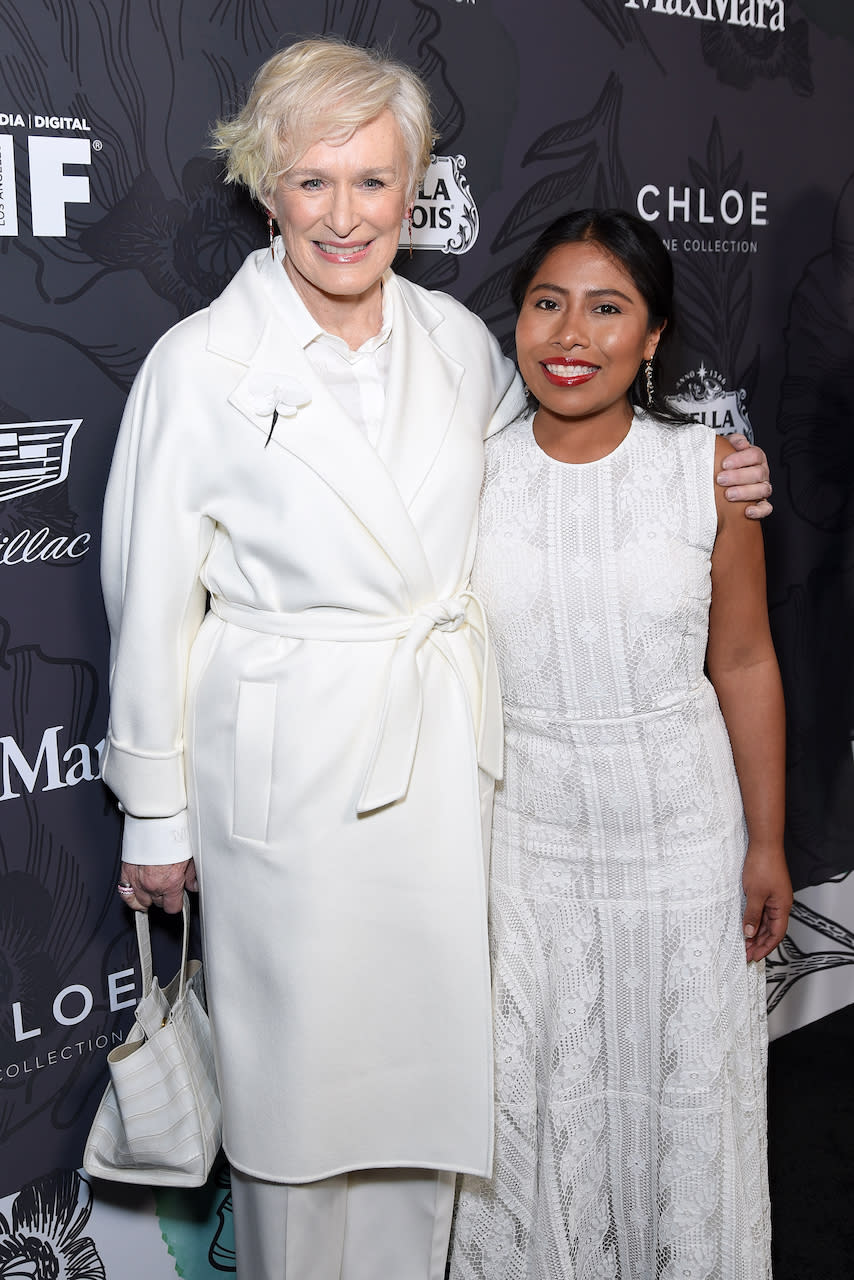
[(125, 889)]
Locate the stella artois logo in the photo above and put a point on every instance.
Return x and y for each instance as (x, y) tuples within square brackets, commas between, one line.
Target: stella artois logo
[(703, 396), (444, 215)]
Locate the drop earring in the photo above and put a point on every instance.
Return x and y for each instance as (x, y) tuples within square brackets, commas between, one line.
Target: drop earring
[(650, 389), (409, 221), (270, 230)]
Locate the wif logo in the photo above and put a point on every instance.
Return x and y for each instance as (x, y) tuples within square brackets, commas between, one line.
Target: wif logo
[(764, 15), (51, 188)]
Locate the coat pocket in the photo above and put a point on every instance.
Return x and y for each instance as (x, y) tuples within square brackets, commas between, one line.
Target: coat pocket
[(253, 759)]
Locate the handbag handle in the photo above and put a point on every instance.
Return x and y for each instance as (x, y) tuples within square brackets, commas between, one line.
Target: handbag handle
[(143, 939)]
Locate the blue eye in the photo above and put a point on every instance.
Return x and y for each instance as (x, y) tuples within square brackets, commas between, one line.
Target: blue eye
[(374, 184)]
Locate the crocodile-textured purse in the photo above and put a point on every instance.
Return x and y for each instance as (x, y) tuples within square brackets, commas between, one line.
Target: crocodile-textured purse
[(160, 1120)]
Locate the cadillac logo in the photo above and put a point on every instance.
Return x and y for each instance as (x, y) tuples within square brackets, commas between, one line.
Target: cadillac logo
[(34, 455)]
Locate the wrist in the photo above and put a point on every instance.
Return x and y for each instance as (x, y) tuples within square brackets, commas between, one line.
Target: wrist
[(765, 851)]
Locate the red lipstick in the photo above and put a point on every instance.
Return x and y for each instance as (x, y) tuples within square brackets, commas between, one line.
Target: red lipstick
[(561, 372)]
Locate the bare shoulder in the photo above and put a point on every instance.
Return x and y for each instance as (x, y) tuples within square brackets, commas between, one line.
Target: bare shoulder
[(734, 532)]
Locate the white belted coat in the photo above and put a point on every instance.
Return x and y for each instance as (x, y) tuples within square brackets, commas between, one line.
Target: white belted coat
[(322, 721)]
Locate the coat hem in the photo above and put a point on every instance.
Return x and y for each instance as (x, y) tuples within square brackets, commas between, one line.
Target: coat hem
[(475, 1171)]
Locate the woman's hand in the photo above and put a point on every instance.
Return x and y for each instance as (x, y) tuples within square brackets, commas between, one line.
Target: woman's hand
[(158, 886), (769, 899), (745, 477)]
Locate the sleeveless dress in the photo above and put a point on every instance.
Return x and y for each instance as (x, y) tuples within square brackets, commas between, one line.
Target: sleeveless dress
[(629, 1030)]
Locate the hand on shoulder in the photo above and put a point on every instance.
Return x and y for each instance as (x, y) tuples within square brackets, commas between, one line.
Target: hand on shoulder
[(743, 475)]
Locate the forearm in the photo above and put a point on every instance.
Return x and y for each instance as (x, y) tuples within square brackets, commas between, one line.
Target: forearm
[(751, 700)]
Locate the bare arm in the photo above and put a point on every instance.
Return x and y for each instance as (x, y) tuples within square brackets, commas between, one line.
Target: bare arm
[(744, 477), (743, 668)]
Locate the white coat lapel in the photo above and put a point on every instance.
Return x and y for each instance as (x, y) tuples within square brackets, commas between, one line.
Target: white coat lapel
[(312, 426), (423, 388)]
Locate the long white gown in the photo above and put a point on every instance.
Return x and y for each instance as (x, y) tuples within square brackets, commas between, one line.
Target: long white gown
[(630, 1031)]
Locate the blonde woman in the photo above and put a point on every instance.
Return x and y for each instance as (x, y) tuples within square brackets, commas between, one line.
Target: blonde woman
[(316, 747)]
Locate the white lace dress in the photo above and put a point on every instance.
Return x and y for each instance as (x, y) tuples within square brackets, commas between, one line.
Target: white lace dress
[(630, 1031)]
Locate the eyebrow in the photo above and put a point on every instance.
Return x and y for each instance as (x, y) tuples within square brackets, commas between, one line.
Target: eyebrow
[(545, 287), (372, 171)]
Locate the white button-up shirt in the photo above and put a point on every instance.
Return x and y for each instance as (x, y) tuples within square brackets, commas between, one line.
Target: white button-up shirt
[(357, 379)]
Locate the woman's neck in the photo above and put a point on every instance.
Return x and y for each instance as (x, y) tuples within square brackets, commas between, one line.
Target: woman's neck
[(584, 439), (354, 318)]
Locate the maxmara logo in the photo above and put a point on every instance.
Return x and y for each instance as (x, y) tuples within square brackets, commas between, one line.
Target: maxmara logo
[(51, 769), (765, 15)]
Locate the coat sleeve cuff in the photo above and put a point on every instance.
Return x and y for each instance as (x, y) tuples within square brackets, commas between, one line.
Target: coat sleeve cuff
[(148, 786), (156, 842)]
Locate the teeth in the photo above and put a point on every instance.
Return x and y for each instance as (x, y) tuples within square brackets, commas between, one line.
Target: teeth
[(570, 370), (341, 251)]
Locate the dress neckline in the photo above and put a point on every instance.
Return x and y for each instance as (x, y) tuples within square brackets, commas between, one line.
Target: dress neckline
[(578, 466)]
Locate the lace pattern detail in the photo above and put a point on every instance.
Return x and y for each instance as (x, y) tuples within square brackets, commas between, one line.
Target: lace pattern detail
[(630, 1033)]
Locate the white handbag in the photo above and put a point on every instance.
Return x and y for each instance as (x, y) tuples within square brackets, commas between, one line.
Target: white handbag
[(160, 1120)]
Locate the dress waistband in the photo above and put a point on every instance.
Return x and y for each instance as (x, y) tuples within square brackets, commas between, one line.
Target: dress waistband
[(532, 715), (396, 739)]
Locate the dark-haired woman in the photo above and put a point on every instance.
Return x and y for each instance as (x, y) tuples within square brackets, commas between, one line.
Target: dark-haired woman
[(638, 876)]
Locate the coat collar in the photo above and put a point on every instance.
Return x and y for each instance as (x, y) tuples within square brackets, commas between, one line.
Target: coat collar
[(423, 388), (378, 485)]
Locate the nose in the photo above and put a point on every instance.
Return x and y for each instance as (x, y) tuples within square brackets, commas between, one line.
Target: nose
[(570, 330), (343, 213)]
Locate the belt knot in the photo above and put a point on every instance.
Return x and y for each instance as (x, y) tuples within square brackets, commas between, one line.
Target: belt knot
[(446, 615)]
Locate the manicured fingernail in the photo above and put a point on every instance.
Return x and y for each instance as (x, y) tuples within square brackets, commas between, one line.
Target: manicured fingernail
[(749, 931)]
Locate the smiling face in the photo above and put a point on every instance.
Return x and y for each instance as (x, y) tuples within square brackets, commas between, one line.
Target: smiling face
[(339, 211), (582, 332)]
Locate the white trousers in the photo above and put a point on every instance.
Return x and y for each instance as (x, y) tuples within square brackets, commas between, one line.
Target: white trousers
[(373, 1224)]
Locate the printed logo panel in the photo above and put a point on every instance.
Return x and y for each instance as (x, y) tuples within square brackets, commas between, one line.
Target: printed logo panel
[(34, 455), (444, 215), (763, 15), (702, 394)]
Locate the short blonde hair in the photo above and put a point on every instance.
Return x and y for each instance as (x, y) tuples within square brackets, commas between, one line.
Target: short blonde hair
[(321, 90)]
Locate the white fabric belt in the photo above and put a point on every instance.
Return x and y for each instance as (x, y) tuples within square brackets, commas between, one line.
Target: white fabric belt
[(393, 754)]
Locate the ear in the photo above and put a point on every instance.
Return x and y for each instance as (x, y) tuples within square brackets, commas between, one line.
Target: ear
[(652, 340)]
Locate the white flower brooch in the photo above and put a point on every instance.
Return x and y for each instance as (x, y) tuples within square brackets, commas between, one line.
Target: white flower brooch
[(277, 395)]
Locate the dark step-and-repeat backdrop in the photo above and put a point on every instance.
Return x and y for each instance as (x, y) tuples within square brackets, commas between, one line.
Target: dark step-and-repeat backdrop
[(726, 123)]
